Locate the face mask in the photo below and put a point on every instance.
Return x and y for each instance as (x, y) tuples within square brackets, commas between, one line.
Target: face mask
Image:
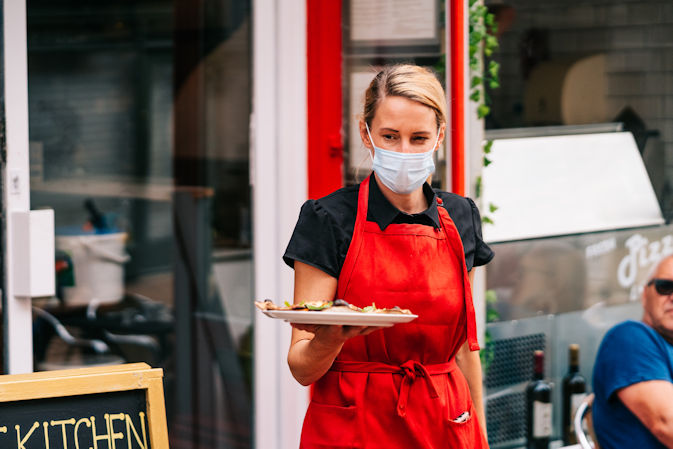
[(402, 172)]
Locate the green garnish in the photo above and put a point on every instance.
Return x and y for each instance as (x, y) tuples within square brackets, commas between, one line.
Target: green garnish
[(324, 306), (287, 304), (371, 308)]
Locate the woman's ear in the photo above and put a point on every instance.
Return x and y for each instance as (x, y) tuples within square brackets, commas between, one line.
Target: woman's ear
[(364, 136), (442, 135)]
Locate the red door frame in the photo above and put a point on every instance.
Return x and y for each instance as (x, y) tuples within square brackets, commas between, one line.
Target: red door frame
[(457, 48), (324, 97)]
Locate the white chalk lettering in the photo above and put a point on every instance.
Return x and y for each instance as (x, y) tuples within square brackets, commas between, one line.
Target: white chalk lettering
[(99, 437), (63, 423), (77, 424), (45, 426), (130, 426), (114, 436), (20, 443), (3, 429)]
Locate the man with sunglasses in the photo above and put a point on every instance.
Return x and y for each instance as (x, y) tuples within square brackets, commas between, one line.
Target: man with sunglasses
[(633, 373)]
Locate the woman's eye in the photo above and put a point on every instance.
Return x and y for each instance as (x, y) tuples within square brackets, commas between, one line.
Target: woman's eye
[(420, 139), (388, 137)]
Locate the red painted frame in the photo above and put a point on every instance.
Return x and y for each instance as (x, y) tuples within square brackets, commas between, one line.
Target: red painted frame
[(324, 97), (457, 94)]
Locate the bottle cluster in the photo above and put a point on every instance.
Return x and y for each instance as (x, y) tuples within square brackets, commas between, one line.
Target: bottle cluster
[(539, 401)]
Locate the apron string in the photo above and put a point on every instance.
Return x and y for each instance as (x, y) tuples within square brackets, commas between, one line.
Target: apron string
[(410, 369), (471, 324), (356, 239)]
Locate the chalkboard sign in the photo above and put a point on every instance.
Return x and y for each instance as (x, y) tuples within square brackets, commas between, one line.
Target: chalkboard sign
[(110, 407)]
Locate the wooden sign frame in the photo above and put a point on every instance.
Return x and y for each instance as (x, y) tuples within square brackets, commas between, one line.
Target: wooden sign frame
[(85, 381)]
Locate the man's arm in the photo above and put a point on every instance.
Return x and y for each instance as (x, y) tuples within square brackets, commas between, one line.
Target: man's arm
[(651, 402)]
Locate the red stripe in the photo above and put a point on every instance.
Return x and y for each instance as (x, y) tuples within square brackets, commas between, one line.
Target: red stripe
[(324, 104), (457, 99)]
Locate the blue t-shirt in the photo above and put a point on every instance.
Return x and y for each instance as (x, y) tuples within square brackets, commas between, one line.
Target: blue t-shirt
[(631, 352)]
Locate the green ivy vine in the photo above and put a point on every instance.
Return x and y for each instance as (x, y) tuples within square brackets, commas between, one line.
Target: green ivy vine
[(482, 38), (483, 42)]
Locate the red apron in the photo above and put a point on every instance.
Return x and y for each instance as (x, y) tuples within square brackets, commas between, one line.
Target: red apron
[(400, 387)]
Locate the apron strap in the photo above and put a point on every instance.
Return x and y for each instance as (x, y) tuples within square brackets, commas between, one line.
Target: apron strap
[(410, 369), (456, 245), (356, 240)]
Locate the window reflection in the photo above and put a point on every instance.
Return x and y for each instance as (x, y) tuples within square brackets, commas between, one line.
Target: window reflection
[(139, 114)]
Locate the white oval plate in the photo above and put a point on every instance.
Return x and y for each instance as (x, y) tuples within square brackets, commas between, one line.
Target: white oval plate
[(346, 318)]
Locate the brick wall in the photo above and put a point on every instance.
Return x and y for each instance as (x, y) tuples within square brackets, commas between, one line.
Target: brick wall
[(636, 37)]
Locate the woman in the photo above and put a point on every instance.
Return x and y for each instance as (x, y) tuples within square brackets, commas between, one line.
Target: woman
[(390, 241)]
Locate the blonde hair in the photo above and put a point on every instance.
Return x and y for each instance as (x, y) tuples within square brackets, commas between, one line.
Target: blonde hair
[(409, 81)]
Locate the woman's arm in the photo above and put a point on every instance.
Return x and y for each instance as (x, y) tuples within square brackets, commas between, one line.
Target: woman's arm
[(470, 365), (313, 348)]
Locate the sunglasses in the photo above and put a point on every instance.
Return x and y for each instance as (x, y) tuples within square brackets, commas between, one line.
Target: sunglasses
[(663, 286)]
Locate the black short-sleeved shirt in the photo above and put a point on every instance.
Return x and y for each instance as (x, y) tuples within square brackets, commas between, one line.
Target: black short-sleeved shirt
[(325, 227)]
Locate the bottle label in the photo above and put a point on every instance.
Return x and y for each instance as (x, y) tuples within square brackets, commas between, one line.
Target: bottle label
[(541, 419), (575, 401)]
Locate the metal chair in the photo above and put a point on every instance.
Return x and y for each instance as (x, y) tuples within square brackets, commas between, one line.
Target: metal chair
[(584, 429)]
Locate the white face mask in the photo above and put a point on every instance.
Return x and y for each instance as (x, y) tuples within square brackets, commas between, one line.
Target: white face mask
[(402, 172)]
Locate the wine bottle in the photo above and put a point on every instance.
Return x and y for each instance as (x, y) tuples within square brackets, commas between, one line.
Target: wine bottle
[(538, 407), (574, 391)]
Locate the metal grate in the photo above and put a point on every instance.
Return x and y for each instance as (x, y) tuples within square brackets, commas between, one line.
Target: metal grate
[(506, 418), (513, 360)]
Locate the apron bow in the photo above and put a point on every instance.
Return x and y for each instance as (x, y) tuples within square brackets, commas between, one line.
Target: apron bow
[(410, 370)]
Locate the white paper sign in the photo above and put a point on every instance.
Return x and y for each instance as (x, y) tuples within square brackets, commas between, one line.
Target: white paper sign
[(393, 20)]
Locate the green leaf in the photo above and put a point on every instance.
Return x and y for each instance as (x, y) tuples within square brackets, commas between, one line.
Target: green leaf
[(476, 81), (487, 51), (487, 220), (487, 161), (487, 146), (324, 306), (287, 304), (493, 84), (493, 68), (491, 43), (492, 207), (475, 96), (489, 19), (490, 297), (483, 110), (477, 187)]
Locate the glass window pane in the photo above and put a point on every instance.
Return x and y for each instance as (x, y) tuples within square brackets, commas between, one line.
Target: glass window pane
[(139, 117)]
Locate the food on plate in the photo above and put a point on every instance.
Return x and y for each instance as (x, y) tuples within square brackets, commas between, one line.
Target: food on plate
[(338, 305)]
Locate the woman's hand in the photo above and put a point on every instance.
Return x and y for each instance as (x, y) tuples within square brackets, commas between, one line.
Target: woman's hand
[(314, 347)]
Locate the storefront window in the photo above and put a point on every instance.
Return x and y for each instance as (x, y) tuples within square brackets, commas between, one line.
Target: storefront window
[(381, 33), (139, 117), (575, 79)]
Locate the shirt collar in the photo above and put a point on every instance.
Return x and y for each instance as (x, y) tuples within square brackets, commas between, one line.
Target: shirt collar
[(384, 213)]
